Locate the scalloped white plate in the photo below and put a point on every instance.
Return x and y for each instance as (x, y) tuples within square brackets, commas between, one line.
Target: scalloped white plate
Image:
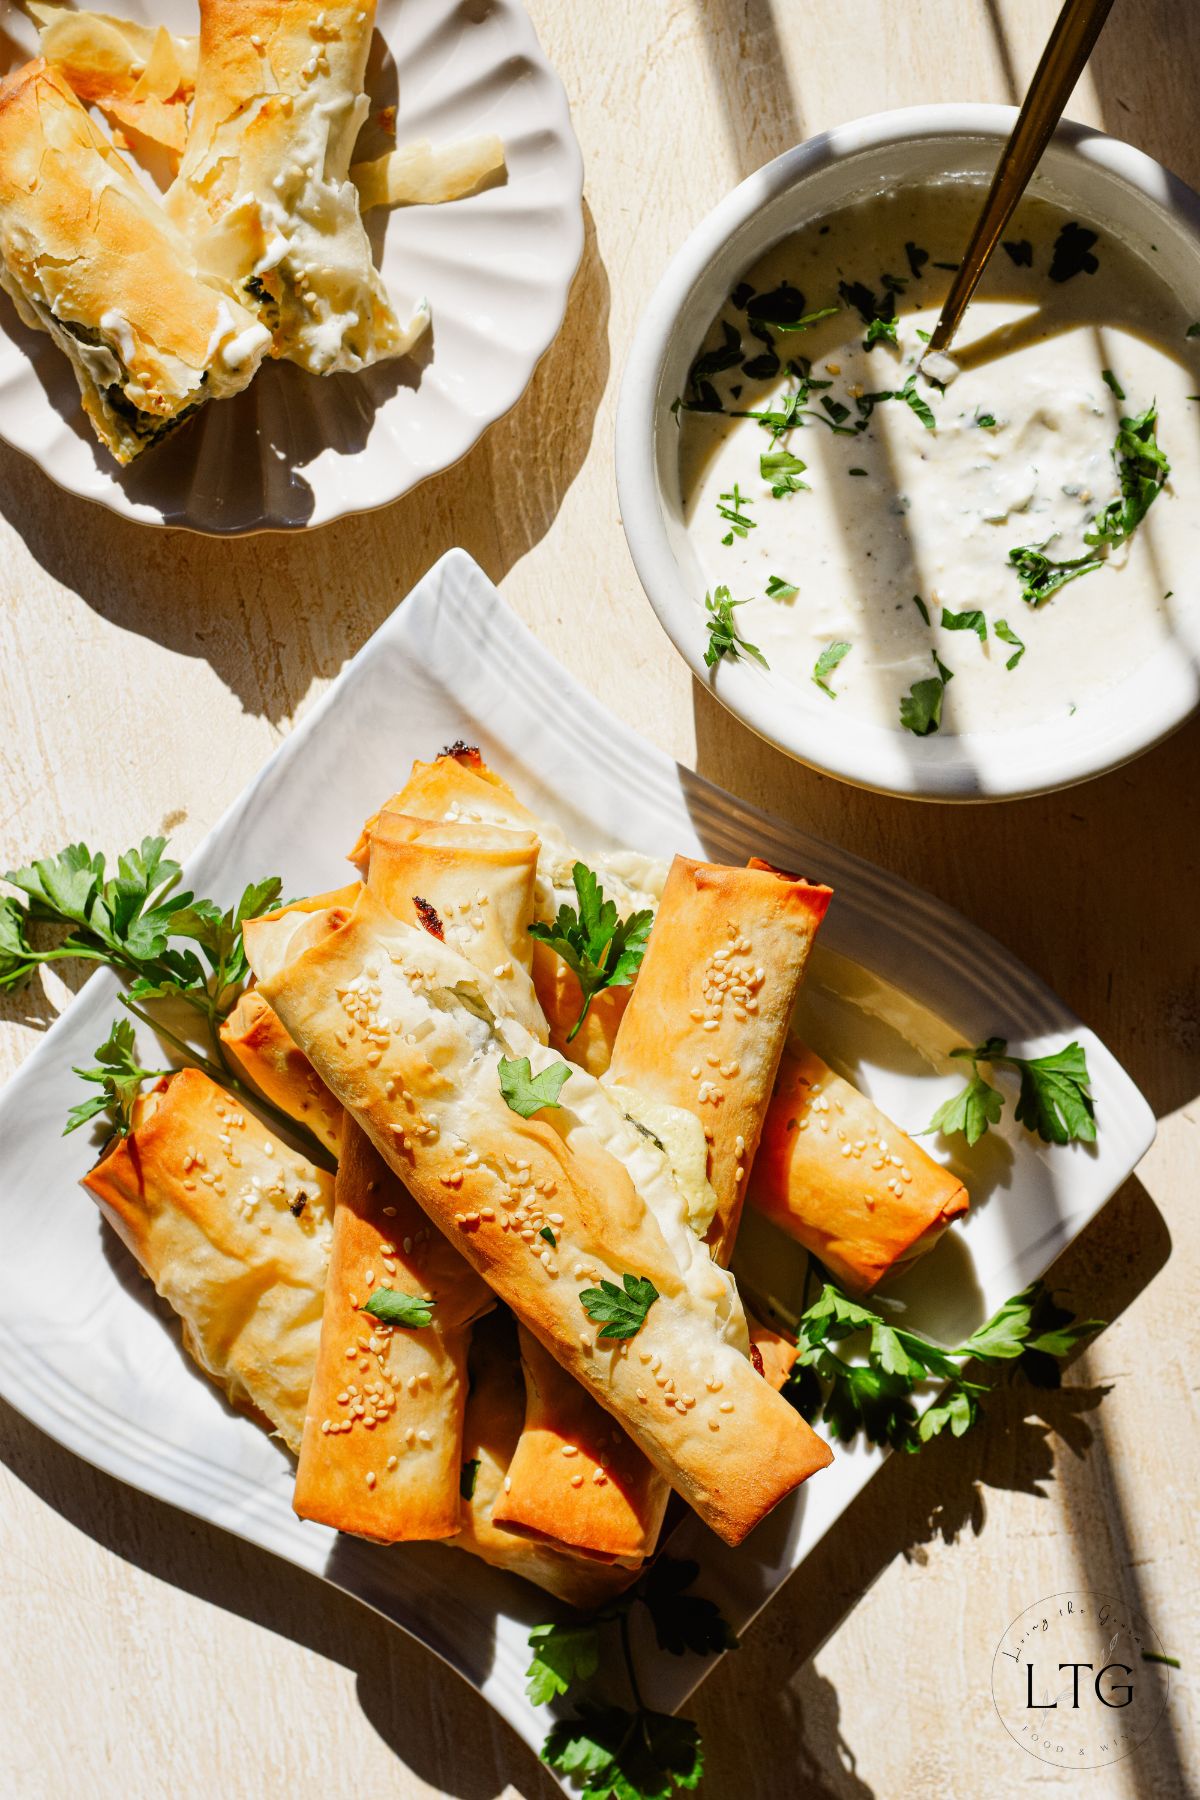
[(298, 449), (899, 979)]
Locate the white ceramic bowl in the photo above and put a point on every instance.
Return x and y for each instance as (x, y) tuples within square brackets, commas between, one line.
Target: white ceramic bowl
[(1084, 170)]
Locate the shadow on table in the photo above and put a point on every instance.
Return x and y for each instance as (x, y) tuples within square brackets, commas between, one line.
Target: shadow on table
[(200, 1560), (942, 1494), (269, 625)]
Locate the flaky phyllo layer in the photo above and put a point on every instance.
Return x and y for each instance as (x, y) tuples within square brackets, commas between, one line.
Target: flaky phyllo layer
[(88, 256), (264, 190)]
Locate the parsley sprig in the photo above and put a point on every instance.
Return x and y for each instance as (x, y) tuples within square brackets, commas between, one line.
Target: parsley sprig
[(620, 1311), (167, 945), (600, 948), (875, 1395), (724, 638), (1054, 1101), (1142, 472), (526, 1093), (119, 1077), (627, 1753)]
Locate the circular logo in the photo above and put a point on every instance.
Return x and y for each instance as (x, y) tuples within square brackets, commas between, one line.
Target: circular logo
[(1080, 1680)]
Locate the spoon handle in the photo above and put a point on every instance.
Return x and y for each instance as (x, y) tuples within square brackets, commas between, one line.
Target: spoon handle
[(1069, 46)]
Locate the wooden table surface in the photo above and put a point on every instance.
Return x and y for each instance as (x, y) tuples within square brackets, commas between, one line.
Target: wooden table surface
[(145, 676)]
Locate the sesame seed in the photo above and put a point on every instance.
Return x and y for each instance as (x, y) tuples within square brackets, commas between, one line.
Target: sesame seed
[(370, 1478)]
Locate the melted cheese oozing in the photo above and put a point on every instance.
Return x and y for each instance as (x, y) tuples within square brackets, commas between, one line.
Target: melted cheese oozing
[(1021, 455)]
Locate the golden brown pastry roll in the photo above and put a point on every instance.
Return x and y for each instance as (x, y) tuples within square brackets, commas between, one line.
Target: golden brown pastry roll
[(233, 1228), (257, 1044), (264, 191), (836, 1174), (87, 255), (717, 987), (459, 785), (410, 1038), (576, 1479), (382, 1448), (473, 884), (776, 1354), (495, 1409)]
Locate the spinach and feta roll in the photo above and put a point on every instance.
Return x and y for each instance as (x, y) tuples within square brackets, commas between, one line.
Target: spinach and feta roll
[(87, 255), (264, 189)]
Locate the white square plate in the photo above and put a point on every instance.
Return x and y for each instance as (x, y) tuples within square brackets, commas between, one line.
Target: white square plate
[(898, 980)]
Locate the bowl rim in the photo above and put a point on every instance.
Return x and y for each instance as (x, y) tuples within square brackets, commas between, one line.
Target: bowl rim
[(967, 766)]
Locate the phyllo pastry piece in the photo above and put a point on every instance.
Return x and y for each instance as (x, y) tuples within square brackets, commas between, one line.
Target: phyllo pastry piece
[(834, 1173), (576, 1480), (257, 1044), (140, 76), (470, 884), (717, 986), (233, 1228), (459, 785), (382, 1449), (264, 190), (410, 1038), (495, 1409), (88, 256)]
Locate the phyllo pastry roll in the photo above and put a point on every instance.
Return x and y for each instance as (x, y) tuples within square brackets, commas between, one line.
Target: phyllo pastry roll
[(140, 76), (382, 1448), (576, 1479), (710, 1012), (459, 785), (834, 1173), (495, 1409), (264, 190), (411, 1039), (88, 256), (257, 1044), (471, 884), (233, 1228), (722, 968)]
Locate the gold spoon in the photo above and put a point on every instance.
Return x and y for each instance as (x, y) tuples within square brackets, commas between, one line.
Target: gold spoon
[(1071, 43)]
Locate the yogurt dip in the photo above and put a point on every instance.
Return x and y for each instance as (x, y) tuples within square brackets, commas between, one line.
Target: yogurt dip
[(900, 540)]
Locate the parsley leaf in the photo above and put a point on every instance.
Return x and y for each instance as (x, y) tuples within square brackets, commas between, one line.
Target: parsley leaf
[(391, 1307), (921, 707), (724, 638), (740, 523), (683, 1621), (726, 355), (921, 607), (525, 1093), (783, 471), (879, 316), (621, 1315), (119, 1077), (1007, 635), (549, 1236), (779, 589), (808, 320), (1111, 381), (626, 1756), (1142, 469), (1054, 1100), (908, 393), (1072, 253), (1042, 575), (17, 959), (986, 421), (972, 620), (1021, 251), (970, 1111), (826, 663), (601, 949), (562, 1654)]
